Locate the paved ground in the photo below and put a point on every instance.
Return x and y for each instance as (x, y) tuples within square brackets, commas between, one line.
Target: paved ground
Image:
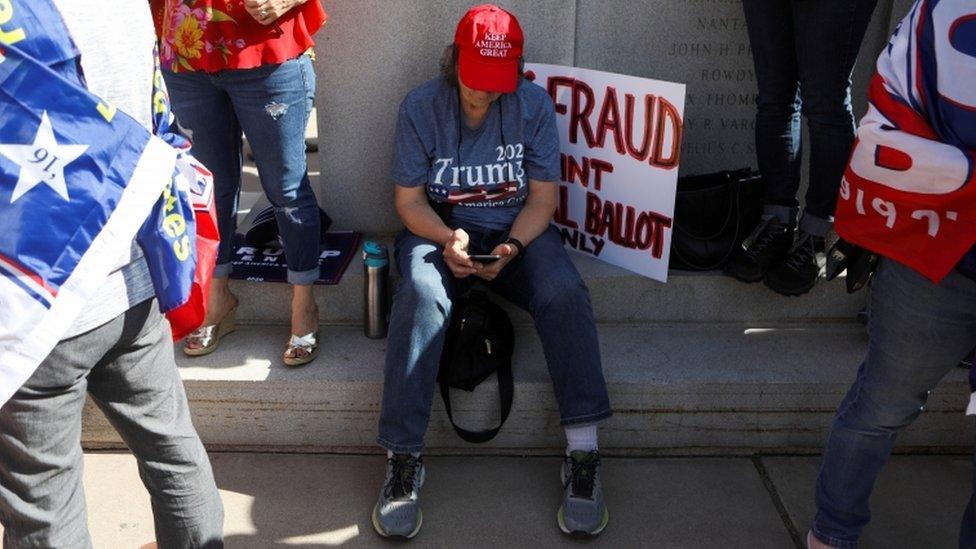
[(278, 500)]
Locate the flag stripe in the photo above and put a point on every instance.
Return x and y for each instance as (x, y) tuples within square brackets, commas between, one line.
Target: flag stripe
[(27, 279), (24, 284)]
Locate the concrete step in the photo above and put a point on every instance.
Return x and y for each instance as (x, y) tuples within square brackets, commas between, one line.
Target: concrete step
[(675, 388), (618, 296)]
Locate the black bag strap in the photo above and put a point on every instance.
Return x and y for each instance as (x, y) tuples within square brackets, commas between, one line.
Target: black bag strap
[(506, 390), (506, 384), (734, 185), (728, 253), (731, 186)]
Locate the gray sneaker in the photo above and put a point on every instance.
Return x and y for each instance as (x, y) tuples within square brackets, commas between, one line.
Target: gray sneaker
[(397, 513), (583, 511)]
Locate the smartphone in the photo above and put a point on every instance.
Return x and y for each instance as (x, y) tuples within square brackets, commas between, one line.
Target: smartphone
[(486, 258)]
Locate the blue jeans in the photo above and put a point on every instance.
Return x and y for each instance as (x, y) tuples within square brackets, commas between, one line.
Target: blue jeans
[(919, 331), (544, 282), (127, 367), (271, 104), (804, 52)]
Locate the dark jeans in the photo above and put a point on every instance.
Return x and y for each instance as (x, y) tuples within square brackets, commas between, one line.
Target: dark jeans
[(127, 368), (544, 282), (271, 104), (804, 52), (918, 332)]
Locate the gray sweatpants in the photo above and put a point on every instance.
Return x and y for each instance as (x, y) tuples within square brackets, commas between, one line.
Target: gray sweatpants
[(127, 367)]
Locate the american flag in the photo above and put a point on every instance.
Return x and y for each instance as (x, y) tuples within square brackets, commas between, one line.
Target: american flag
[(492, 195)]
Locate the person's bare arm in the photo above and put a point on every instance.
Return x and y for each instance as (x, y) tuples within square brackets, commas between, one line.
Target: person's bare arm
[(421, 220), (537, 213)]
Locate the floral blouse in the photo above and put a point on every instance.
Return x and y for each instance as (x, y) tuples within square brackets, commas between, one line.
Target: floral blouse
[(213, 35)]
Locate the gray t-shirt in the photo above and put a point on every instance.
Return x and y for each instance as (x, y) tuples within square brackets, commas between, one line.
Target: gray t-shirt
[(482, 172), (116, 41)]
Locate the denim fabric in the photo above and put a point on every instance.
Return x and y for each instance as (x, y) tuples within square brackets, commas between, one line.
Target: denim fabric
[(544, 282), (919, 331), (271, 104), (804, 52), (127, 367)]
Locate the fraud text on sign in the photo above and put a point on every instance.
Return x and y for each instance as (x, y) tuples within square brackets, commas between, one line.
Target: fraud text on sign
[(620, 143)]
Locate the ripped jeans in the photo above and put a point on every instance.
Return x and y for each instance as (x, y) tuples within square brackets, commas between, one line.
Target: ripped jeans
[(271, 105)]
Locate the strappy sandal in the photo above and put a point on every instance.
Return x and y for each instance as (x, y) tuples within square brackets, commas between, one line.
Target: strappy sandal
[(304, 349), (204, 339)]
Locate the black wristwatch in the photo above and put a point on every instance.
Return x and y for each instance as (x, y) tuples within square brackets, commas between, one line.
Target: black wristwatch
[(518, 246)]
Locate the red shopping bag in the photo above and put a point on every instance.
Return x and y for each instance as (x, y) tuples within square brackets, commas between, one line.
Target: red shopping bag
[(188, 317)]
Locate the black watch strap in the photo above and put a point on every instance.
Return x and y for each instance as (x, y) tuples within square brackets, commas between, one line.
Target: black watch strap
[(518, 245)]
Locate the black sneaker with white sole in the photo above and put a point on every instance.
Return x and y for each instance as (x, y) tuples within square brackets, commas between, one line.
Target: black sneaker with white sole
[(767, 246)]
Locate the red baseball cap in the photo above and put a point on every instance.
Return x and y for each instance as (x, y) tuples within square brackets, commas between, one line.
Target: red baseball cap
[(489, 42)]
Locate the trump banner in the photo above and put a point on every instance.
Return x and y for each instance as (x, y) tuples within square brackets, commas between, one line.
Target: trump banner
[(909, 190), (620, 139)]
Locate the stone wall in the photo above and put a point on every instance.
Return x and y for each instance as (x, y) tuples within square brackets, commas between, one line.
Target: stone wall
[(373, 51)]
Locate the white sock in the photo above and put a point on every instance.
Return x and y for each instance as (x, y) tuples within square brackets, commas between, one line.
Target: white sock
[(581, 438)]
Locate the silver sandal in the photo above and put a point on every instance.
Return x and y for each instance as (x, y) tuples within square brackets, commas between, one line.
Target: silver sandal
[(305, 348), (204, 339)]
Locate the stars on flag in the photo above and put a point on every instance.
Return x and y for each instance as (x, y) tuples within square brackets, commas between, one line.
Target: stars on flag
[(42, 161)]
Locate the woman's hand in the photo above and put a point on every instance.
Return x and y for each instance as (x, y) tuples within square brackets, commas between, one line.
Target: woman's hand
[(456, 255), (421, 220), (267, 12), (490, 271)]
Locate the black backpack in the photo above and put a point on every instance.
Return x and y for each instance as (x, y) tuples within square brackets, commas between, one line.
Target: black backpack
[(480, 340)]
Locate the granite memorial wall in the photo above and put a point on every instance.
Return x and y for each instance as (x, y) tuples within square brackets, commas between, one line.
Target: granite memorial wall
[(372, 52)]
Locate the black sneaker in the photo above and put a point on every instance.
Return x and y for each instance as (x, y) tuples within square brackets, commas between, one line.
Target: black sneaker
[(799, 273), (767, 246)]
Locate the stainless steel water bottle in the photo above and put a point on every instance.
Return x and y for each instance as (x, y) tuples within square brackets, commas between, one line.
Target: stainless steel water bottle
[(376, 267)]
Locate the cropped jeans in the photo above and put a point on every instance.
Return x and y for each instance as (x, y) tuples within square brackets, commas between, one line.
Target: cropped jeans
[(271, 104), (543, 281), (919, 331), (804, 52)]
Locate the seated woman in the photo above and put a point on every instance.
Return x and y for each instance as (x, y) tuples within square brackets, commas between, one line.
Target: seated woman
[(480, 143)]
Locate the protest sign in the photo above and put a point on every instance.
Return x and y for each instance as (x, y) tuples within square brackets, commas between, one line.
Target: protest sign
[(620, 142)]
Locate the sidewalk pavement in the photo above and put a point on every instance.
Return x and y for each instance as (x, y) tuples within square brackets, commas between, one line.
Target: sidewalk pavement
[(301, 500)]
